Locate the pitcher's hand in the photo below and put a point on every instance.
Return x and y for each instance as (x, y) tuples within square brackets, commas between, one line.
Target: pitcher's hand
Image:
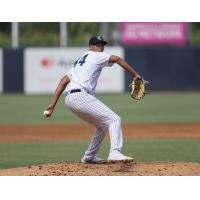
[(48, 111)]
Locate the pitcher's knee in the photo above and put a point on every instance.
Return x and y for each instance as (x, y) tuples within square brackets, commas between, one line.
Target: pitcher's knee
[(116, 119)]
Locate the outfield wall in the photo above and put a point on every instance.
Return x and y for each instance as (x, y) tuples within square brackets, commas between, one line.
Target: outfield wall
[(167, 68), (38, 70), (1, 71), (13, 70)]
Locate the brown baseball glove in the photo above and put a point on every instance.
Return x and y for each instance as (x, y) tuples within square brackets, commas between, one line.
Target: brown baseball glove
[(137, 88)]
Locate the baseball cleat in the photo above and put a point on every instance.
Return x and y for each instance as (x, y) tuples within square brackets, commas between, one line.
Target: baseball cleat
[(95, 160), (119, 157)]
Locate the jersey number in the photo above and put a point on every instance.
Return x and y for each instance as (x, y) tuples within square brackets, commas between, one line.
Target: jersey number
[(81, 61)]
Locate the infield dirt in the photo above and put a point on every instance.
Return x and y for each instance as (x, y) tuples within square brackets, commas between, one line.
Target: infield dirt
[(80, 132)]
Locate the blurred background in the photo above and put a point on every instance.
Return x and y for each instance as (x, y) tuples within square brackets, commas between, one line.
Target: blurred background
[(35, 55)]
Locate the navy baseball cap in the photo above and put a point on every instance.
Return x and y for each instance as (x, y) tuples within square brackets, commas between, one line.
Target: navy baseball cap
[(97, 40)]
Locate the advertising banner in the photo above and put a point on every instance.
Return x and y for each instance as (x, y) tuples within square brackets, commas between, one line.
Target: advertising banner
[(140, 33), (1, 71), (44, 67)]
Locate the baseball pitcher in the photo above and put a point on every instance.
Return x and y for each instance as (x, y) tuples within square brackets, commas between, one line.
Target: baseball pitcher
[(81, 81)]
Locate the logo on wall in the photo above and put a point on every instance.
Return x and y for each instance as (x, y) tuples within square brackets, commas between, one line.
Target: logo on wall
[(48, 62)]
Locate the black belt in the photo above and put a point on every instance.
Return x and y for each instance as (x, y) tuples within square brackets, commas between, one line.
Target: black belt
[(75, 90)]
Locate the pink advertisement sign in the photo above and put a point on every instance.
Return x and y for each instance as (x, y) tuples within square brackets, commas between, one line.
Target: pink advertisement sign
[(140, 33)]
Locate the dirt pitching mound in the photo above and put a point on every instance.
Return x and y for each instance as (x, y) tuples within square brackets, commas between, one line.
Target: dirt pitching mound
[(108, 169)]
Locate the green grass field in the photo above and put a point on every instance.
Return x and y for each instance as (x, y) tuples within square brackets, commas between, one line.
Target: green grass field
[(15, 155), (157, 107)]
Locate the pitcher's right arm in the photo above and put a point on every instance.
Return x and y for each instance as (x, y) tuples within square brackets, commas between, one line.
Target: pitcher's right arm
[(59, 90)]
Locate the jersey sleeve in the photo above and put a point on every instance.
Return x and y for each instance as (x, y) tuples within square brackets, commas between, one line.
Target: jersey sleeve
[(69, 73), (103, 60)]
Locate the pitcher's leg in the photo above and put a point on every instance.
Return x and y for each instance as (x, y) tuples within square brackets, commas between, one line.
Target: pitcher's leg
[(115, 132), (97, 138), (95, 112)]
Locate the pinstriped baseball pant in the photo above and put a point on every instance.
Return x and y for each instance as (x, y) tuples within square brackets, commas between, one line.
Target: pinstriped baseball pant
[(90, 109)]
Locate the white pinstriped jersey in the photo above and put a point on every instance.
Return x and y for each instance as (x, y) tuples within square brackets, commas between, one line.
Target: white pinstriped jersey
[(86, 71)]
